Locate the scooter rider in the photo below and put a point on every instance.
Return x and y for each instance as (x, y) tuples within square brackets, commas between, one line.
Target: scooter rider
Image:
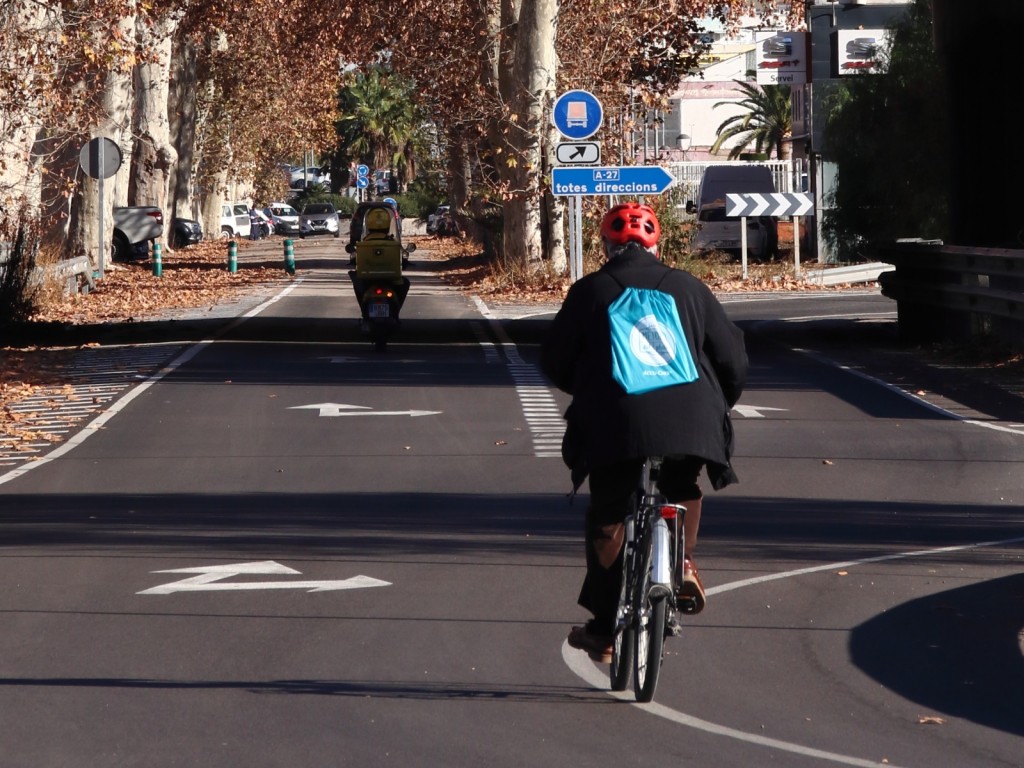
[(378, 233), (610, 432)]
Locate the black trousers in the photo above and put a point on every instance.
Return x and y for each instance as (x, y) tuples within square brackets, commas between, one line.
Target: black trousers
[(613, 491)]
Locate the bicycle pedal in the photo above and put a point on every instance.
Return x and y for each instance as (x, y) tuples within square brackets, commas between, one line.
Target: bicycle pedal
[(672, 626)]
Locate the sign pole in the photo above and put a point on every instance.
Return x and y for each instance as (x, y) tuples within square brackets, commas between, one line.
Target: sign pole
[(571, 209), (743, 244), (796, 246), (578, 258), (100, 257), (100, 162), (770, 204)]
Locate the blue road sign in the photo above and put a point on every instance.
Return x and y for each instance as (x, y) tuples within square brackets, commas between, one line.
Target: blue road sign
[(624, 180), (362, 182), (362, 170), (577, 114)]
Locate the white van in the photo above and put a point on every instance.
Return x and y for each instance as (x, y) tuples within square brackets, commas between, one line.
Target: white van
[(718, 232), (234, 220)]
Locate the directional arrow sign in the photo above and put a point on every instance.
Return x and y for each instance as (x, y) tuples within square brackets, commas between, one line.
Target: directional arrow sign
[(754, 411), (209, 579), (340, 409), (769, 204), (578, 152), (624, 180)]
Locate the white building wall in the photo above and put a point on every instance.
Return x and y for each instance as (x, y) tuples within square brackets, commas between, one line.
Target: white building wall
[(698, 95)]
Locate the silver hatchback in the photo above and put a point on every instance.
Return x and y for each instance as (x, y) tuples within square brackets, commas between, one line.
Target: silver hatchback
[(318, 219)]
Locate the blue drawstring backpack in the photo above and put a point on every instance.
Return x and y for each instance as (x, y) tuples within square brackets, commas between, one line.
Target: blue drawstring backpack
[(649, 345)]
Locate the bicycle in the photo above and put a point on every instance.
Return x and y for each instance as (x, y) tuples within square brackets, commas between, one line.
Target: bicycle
[(651, 562)]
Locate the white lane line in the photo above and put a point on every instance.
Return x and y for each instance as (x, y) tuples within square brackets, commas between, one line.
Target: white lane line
[(584, 668), (578, 662), (536, 400), (1016, 429), (96, 424), (909, 395)]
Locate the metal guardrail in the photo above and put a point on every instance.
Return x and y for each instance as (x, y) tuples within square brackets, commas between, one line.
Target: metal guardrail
[(76, 274), (946, 292)]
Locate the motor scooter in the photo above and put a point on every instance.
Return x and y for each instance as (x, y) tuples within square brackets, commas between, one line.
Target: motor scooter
[(380, 287)]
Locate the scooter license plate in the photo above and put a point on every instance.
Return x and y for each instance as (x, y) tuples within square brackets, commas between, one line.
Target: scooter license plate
[(380, 309)]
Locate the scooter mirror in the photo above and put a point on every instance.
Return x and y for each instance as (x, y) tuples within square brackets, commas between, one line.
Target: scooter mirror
[(350, 247)]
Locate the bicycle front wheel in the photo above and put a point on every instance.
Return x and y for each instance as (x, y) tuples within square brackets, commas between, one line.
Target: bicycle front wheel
[(625, 627), (650, 630)]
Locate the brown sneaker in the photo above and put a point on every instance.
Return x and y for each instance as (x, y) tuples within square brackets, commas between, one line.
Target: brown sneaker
[(690, 597), (598, 647)]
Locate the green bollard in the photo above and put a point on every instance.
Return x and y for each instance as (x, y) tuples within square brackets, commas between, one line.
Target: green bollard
[(158, 266), (289, 257), (232, 256)]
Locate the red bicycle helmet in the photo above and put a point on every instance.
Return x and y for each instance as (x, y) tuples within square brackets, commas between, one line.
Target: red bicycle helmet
[(631, 222)]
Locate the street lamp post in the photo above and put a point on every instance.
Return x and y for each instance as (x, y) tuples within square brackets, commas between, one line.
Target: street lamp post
[(683, 143)]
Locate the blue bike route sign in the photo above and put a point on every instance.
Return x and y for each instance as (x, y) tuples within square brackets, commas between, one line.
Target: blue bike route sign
[(624, 180), (577, 114)]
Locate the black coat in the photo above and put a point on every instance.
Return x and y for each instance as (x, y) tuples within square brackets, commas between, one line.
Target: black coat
[(607, 425)]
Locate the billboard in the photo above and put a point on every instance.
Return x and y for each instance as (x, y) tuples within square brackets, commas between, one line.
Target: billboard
[(859, 50), (782, 59)]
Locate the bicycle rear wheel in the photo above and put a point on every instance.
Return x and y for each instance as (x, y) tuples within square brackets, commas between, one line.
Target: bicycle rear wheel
[(652, 612)]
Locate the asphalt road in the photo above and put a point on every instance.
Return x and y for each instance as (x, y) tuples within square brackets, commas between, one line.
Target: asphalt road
[(287, 549)]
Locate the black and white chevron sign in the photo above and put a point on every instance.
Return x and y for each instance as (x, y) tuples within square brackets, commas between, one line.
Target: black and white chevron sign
[(769, 204)]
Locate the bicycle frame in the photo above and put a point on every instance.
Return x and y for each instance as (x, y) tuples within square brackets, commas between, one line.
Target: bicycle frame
[(651, 559)]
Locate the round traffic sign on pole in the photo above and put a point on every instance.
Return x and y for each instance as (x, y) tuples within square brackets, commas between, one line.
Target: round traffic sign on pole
[(577, 114), (100, 158)]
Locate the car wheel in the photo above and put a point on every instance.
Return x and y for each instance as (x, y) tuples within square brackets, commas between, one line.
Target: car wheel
[(225, 233), (120, 248)]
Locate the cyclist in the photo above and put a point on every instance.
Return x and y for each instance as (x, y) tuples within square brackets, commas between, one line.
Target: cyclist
[(609, 433)]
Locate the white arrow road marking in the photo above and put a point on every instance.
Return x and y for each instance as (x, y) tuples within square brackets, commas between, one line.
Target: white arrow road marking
[(754, 411), (384, 413), (328, 406), (209, 577), (340, 409)]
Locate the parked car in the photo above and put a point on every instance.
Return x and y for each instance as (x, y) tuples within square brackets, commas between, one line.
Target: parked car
[(303, 177), (285, 218), (318, 219), (718, 232), (135, 227), (234, 220), (435, 217), (185, 232)]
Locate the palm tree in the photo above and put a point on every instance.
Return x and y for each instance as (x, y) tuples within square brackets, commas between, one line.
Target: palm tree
[(378, 118), (767, 122)]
